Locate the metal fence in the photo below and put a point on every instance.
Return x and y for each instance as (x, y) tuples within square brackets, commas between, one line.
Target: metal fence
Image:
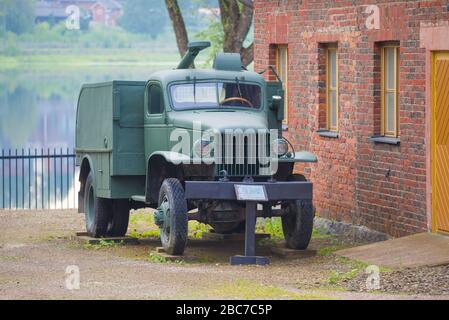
[(38, 179)]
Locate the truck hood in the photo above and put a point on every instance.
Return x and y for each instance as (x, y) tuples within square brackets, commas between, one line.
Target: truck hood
[(220, 119)]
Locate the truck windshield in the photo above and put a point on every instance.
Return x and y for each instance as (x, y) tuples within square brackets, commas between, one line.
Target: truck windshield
[(207, 95)]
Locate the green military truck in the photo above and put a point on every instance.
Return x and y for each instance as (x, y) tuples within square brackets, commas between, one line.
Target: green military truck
[(127, 146)]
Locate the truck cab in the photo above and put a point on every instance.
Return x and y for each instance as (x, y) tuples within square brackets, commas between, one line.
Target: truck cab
[(139, 144)]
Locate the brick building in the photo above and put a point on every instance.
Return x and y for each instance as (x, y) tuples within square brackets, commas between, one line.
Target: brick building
[(367, 87)]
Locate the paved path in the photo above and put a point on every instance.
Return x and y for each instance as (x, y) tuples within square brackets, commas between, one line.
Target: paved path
[(419, 250)]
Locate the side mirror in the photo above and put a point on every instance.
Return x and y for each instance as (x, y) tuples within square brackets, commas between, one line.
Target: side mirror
[(276, 103)]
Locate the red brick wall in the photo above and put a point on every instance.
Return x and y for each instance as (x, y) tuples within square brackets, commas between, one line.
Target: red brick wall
[(377, 185)]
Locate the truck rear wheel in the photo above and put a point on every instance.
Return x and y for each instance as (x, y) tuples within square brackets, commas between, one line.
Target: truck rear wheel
[(118, 224), (97, 210), (171, 217)]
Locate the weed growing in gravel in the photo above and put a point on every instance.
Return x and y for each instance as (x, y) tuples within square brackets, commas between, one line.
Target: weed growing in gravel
[(320, 234), (249, 290), (152, 234), (141, 224), (157, 258), (196, 229), (271, 226), (103, 244), (160, 259), (337, 277), (327, 251)]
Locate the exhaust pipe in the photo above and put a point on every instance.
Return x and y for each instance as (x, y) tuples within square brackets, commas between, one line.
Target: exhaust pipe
[(194, 49)]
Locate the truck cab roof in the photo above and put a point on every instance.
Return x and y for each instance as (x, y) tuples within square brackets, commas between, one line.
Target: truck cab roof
[(183, 75)]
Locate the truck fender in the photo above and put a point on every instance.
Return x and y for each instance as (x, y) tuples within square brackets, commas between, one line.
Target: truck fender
[(166, 163), (87, 165), (300, 156), (175, 158)]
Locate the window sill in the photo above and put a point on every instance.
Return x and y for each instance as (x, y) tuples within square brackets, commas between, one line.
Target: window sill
[(386, 140), (284, 127), (327, 133)]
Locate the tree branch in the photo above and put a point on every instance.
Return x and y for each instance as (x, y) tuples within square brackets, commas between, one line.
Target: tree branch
[(247, 3), (244, 25), (179, 26), (247, 55), (230, 14)]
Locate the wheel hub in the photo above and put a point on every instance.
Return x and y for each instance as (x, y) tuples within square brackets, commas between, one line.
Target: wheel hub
[(162, 216), (159, 217)]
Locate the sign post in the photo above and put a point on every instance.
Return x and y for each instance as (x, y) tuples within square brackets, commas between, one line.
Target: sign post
[(251, 194)]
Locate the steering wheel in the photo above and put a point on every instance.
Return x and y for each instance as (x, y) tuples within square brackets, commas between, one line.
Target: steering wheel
[(237, 99)]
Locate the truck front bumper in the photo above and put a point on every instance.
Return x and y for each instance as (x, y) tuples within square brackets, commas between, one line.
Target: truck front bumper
[(275, 191)]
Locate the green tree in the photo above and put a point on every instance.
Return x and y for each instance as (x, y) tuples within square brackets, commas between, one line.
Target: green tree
[(17, 16), (144, 16), (230, 33)]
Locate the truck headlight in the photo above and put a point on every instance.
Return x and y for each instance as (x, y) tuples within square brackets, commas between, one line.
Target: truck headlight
[(202, 148), (280, 147)]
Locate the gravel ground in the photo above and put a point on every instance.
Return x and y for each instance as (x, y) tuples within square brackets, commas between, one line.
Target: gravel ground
[(37, 246), (429, 280)]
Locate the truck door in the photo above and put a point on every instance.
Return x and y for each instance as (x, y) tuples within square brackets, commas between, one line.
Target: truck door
[(155, 120)]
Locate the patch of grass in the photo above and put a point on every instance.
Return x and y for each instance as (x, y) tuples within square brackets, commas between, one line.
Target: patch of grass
[(361, 264), (141, 224), (157, 258), (103, 244), (250, 290), (320, 234), (152, 234), (356, 267), (196, 229), (337, 277), (271, 226), (327, 251), (161, 259), (141, 216)]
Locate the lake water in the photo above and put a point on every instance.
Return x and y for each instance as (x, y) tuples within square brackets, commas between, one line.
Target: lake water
[(38, 112), (38, 105)]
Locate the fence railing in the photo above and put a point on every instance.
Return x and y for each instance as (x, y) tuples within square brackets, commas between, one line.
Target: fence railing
[(38, 179)]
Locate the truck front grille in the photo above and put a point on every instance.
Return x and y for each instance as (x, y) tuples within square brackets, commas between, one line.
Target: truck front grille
[(241, 161)]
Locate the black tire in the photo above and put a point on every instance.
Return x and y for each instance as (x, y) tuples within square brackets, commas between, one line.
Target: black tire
[(98, 211), (174, 235), (118, 225), (297, 223), (297, 220)]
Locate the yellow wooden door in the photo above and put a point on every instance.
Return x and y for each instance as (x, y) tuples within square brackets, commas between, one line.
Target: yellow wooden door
[(440, 142)]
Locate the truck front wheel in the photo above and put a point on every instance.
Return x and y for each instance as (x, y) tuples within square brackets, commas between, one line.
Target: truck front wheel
[(98, 210), (297, 223), (171, 217)]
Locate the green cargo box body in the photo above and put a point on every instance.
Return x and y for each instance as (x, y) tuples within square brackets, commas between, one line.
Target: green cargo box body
[(109, 132)]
